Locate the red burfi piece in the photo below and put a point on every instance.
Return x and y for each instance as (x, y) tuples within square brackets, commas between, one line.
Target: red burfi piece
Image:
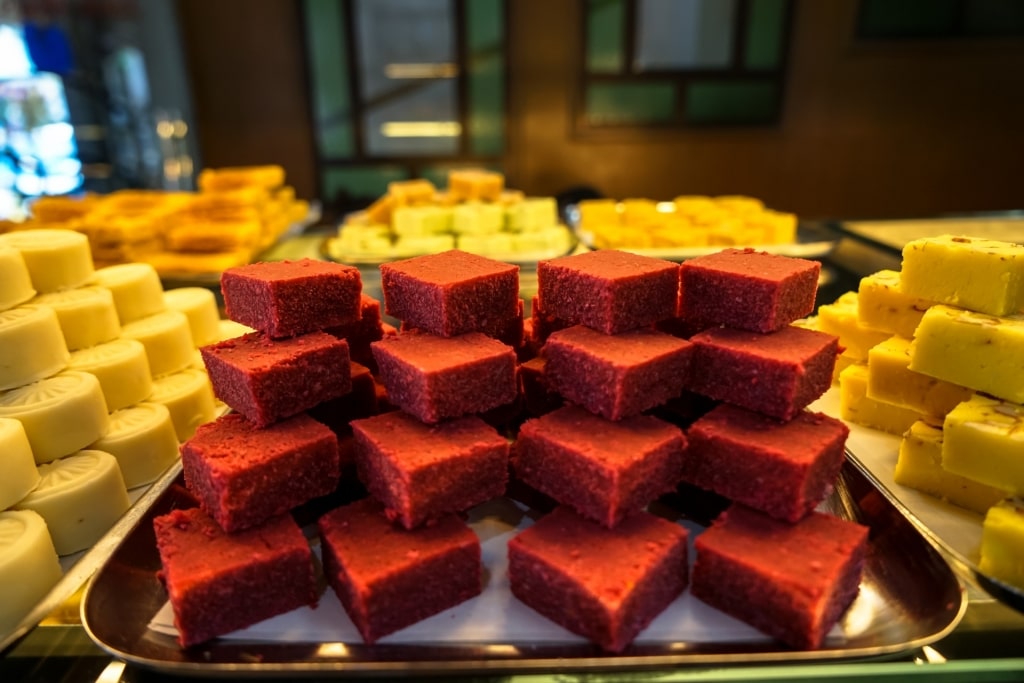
[(243, 475), (421, 472), (618, 375), (286, 298), (219, 582), (538, 397), (782, 468), (790, 581), (359, 403), (603, 469), (777, 374), (451, 293), (604, 584), (509, 331), (361, 333), (387, 577), (543, 323), (441, 377), (270, 379), (610, 291)]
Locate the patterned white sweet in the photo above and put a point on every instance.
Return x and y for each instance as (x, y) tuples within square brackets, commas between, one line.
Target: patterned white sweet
[(200, 307), (56, 259), (188, 395), (122, 368), (136, 288), (87, 315), (143, 440), (29, 567), (15, 283), (167, 338), (80, 497), (61, 414), (16, 462), (31, 346)]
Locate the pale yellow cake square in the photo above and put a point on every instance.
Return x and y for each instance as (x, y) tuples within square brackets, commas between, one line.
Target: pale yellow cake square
[(882, 305), (840, 318), (984, 441), (856, 407), (891, 380), (1002, 542)]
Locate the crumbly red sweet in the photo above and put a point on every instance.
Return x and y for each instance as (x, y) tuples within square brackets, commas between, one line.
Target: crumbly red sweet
[(618, 375), (243, 475), (538, 397), (271, 379), (747, 289), (451, 293), (219, 582), (777, 374), (359, 403), (543, 323), (602, 469), (387, 577), (509, 331), (608, 290), (435, 378), (791, 581), (604, 584), (421, 472), (361, 333), (286, 298), (782, 468)]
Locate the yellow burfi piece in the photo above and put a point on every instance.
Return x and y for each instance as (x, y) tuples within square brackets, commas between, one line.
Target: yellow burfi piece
[(640, 212), (984, 441), (534, 213), (423, 244), (840, 318), (975, 350), (1002, 542), (739, 204), (890, 379), (883, 305), (856, 407), (920, 467), (417, 191), (478, 218), (598, 212), (694, 204), (476, 183), (843, 361), (380, 210), (414, 221), (976, 274)]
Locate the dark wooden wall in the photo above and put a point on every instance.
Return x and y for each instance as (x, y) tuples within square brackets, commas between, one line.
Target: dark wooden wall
[(868, 130)]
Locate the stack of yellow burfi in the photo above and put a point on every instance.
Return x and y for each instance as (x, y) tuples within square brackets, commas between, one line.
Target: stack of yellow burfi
[(476, 213), (687, 221)]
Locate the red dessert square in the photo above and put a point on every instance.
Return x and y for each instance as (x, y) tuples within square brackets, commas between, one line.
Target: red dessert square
[(387, 577), (791, 581), (782, 468), (359, 403), (604, 584), (543, 323), (748, 289), (270, 379), (243, 475), (610, 291), (603, 469), (361, 333), (421, 472), (538, 397), (435, 378), (618, 375), (777, 374), (509, 331), (219, 582), (451, 293), (286, 298)]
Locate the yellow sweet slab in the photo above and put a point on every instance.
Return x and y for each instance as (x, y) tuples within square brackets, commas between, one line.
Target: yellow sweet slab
[(975, 350), (920, 467), (984, 441), (840, 318), (891, 380), (1002, 542), (883, 305), (856, 407), (977, 274)]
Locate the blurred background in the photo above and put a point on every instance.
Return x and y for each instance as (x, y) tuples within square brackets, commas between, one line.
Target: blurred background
[(845, 108)]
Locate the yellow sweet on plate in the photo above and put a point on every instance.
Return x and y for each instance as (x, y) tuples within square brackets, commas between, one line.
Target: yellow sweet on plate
[(856, 407), (883, 305), (978, 274), (890, 379), (920, 467), (1002, 542), (840, 318), (976, 350), (984, 440)]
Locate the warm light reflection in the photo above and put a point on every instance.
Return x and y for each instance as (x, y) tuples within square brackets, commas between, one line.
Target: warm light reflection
[(666, 207), (421, 129), (438, 70), (332, 650)]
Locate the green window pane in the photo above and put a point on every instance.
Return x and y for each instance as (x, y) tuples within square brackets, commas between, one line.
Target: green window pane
[(732, 102), (630, 103), (486, 76), (765, 24), (359, 181), (606, 20), (329, 75), (907, 18), (994, 18)]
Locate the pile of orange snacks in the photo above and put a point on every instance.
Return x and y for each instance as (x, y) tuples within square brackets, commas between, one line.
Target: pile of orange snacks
[(475, 213), (686, 221), (236, 214)]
